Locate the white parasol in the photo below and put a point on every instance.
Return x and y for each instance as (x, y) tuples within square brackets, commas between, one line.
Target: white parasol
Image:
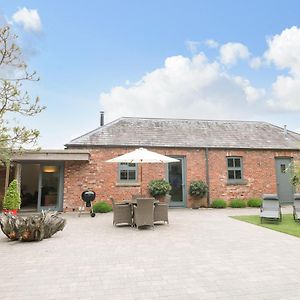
[(141, 156)]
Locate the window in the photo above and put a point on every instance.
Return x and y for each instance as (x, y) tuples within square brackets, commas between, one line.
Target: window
[(234, 169), (127, 172)]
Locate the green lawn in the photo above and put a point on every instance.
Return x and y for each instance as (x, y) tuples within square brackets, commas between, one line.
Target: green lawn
[(288, 225)]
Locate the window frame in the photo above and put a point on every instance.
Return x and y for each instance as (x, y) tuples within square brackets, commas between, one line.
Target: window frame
[(127, 168), (234, 168)]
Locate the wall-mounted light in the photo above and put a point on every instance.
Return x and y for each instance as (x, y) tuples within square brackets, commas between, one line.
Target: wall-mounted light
[(50, 169)]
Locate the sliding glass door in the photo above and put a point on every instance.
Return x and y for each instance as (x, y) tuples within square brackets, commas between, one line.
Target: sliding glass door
[(50, 187)]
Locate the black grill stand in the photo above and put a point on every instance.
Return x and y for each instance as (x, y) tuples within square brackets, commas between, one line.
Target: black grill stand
[(88, 197)]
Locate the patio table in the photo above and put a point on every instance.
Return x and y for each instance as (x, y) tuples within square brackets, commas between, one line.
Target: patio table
[(134, 201)]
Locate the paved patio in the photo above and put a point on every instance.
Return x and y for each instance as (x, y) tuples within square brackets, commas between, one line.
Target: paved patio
[(202, 254)]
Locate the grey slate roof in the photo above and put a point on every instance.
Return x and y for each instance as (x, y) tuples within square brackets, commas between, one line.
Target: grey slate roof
[(189, 133)]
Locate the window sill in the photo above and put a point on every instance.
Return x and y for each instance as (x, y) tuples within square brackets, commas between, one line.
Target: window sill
[(236, 182), (127, 184)]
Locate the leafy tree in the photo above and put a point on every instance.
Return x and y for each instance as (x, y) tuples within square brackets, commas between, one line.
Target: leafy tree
[(14, 100)]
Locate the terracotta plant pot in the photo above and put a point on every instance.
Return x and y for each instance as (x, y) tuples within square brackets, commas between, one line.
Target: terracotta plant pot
[(10, 211), (161, 198), (198, 202)]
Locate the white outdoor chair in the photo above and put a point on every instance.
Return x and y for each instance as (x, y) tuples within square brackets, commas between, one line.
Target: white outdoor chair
[(296, 207), (270, 208)]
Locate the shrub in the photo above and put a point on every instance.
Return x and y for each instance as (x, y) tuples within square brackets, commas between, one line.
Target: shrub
[(198, 188), (159, 187), (12, 199), (102, 207), (237, 203), (219, 203), (254, 202)]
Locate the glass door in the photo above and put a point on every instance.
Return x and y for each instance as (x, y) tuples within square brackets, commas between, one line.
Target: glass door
[(176, 178), (50, 191)]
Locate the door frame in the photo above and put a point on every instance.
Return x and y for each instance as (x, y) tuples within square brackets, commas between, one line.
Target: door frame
[(277, 179), (59, 205), (183, 172)]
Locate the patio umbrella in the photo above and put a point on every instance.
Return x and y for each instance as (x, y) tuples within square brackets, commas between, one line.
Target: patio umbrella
[(141, 156)]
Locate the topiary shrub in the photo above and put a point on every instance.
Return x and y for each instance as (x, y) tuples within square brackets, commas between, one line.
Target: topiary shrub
[(12, 199), (219, 203), (102, 207), (237, 203), (254, 202), (198, 188), (159, 187)]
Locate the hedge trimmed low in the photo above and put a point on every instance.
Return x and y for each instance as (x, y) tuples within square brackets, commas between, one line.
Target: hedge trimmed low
[(237, 203), (254, 202), (102, 207), (219, 203)]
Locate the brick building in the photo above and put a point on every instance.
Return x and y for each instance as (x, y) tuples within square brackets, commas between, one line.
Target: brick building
[(237, 159)]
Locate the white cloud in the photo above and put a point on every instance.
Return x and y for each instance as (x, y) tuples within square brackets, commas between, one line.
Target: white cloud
[(283, 51), (192, 46), (252, 94), (28, 18), (211, 43), (199, 88), (230, 53), (184, 87), (285, 94), (255, 63)]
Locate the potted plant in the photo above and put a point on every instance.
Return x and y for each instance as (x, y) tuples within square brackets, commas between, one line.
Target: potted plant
[(12, 198), (158, 188), (198, 190)]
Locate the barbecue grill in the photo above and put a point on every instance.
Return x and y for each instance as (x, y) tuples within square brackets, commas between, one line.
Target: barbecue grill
[(88, 197)]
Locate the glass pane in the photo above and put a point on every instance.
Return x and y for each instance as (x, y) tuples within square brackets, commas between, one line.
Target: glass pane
[(30, 185), (131, 165), (237, 162), (50, 185), (230, 174), (131, 174), (230, 162), (175, 179), (238, 174), (282, 168), (123, 175)]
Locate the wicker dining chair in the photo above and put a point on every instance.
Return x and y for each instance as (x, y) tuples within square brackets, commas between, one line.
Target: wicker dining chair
[(143, 212), (135, 196), (161, 210), (122, 213)]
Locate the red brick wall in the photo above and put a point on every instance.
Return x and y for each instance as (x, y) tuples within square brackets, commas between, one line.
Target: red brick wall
[(259, 173), (2, 182), (102, 177), (258, 166)]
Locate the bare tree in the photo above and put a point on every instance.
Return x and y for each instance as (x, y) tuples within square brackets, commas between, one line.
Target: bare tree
[(14, 99)]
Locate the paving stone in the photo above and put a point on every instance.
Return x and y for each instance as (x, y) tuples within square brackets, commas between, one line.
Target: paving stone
[(202, 254)]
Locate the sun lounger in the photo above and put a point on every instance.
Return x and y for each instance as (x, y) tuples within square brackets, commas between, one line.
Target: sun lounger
[(270, 208), (296, 207)]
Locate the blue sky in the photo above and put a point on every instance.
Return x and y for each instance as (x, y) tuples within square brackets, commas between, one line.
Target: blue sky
[(182, 59)]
